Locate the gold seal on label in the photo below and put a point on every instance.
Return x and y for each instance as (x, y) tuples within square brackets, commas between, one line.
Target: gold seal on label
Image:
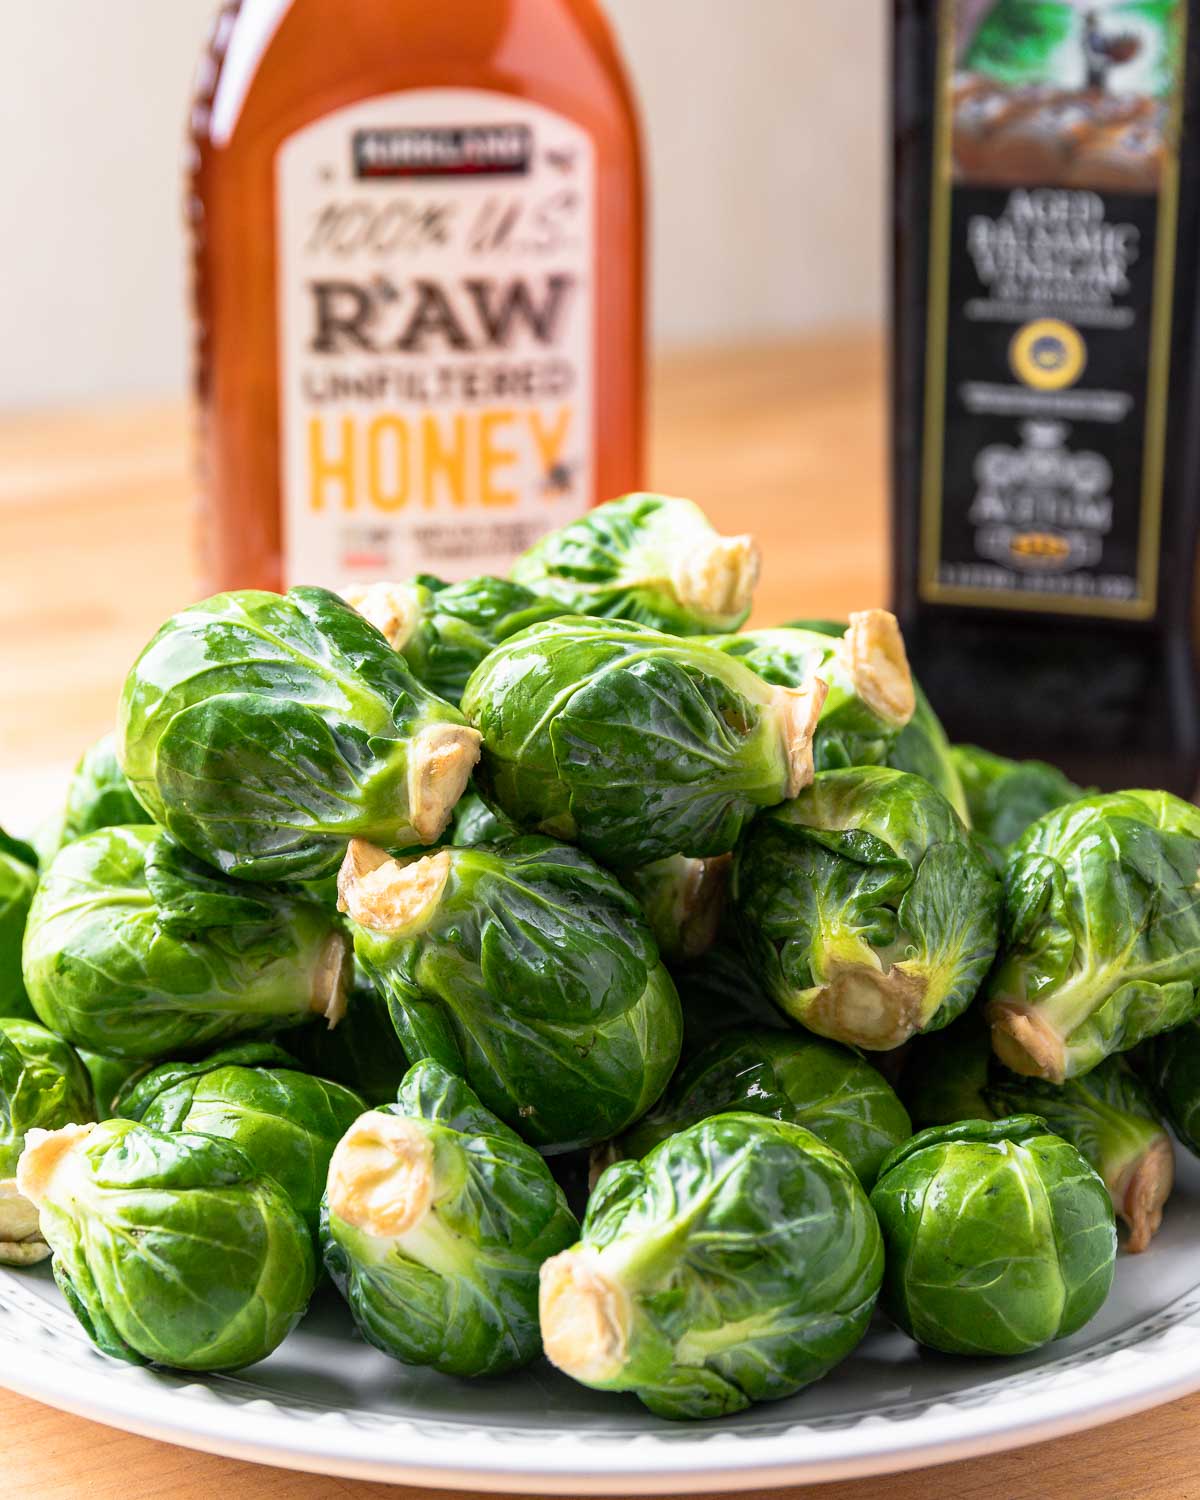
[(1047, 354)]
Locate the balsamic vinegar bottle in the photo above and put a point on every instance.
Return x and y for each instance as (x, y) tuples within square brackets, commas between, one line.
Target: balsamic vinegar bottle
[(1046, 473)]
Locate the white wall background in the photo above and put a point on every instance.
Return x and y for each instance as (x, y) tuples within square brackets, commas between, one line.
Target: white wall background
[(764, 118)]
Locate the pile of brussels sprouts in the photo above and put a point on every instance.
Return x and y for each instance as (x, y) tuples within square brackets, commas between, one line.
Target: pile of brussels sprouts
[(380, 920)]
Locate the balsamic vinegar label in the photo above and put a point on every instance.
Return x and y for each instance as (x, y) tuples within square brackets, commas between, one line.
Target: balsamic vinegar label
[(436, 320), (1052, 263)]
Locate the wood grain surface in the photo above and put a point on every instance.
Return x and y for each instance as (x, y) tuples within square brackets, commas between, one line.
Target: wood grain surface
[(785, 441)]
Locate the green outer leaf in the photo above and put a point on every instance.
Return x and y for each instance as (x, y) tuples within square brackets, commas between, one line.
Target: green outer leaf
[(618, 560), (18, 881), (803, 1080), (1006, 796), (1102, 927), (750, 1258), (868, 867), (632, 743), (98, 796), (536, 979), (109, 1076), (923, 748), (264, 732), (849, 733), (461, 1292), (999, 1237), (104, 973), (459, 623), (286, 1122), (171, 1250), (43, 1084)]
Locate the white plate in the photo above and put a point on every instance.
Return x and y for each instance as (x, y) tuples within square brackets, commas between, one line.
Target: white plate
[(327, 1402)]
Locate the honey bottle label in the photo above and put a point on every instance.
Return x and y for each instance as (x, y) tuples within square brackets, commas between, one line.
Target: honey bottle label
[(1053, 234), (436, 312)]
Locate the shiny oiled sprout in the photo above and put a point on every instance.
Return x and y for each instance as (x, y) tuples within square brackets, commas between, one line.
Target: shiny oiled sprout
[(362, 1052), (1107, 1115), (138, 950), (653, 559), (171, 1249), (684, 901), (635, 744), (287, 1122), (436, 1221), (999, 1237), (790, 1076), (264, 732), (1101, 940), (870, 697), (738, 1262), (18, 881), (1006, 796), (98, 796), (444, 630), (866, 908), (43, 1085), (526, 969)]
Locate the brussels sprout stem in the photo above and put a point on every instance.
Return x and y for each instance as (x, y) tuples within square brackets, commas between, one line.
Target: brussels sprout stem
[(717, 577), (381, 1176), (585, 1318), (391, 607), (1025, 1041), (1140, 1190), (48, 1155), (867, 1007), (872, 651), (440, 761), (799, 710), (331, 979), (386, 894), (21, 1242)]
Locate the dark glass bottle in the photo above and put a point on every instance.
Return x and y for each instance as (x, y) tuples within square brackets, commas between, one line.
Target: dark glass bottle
[(1046, 474)]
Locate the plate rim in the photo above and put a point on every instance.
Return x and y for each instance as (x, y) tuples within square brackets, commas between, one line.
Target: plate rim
[(1152, 1361)]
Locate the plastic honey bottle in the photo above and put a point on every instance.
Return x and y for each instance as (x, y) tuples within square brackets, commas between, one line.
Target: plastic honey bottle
[(417, 246), (1046, 376)]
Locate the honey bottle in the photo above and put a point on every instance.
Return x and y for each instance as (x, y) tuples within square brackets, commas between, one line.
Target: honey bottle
[(417, 270)]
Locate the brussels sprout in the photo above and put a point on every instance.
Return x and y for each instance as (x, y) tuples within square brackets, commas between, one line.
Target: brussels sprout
[(264, 732), (648, 558), (43, 1085), (109, 1076), (527, 969), (444, 630), (737, 1263), (870, 697), (1108, 1117), (923, 748), (98, 797), (635, 744), (718, 992), (138, 950), (18, 881), (683, 900), (828, 1089), (474, 822), (1006, 796), (362, 1052), (170, 1249), (436, 1221), (1101, 937), (286, 1122), (999, 1237), (865, 908)]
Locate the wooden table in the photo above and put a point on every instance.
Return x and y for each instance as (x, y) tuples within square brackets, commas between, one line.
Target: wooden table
[(786, 441)]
